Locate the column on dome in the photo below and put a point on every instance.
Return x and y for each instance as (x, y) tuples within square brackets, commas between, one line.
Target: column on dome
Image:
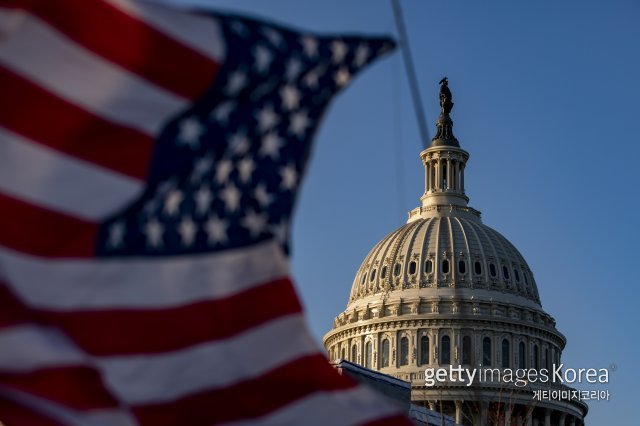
[(434, 167), (484, 413), (529, 418), (458, 412), (434, 174), (562, 420), (374, 357), (427, 175), (462, 178), (507, 414)]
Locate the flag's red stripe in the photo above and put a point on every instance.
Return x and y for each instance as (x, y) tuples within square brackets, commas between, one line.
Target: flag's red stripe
[(12, 310), (397, 420), (13, 414), (42, 117), (120, 332), (77, 387), (130, 43), (248, 399), (41, 232)]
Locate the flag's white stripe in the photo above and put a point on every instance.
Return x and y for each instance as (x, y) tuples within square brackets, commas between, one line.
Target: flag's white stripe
[(59, 182), (198, 32), (27, 347), (10, 21), (86, 79), (151, 282), (67, 416), (338, 408), (165, 377)]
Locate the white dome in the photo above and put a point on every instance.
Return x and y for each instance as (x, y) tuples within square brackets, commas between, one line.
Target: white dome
[(440, 256), (445, 289)]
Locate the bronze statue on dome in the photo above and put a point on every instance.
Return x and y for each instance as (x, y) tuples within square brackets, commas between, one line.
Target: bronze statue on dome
[(446, 103)]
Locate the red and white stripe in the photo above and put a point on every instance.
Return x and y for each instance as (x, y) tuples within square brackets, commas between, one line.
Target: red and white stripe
[(207, 339)]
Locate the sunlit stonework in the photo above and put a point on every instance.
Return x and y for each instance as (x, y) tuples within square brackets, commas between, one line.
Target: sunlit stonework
[(445, 289)]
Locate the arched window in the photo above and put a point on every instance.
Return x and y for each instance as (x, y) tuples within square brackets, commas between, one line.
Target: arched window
[(466, 350), (404, 351), (505, 272), (428, 266), (521, 356), (506, 354), (383, 273), (445, 266), (477, 268), (368, 354), (424, 350), (354, 353), (364, 278), (547, 360), (462, 266), (412, 267), (445, 350), (384, 355), (396, 269), (492, 270), (536, 357), (516, 274), (486, 351), (373, 275)]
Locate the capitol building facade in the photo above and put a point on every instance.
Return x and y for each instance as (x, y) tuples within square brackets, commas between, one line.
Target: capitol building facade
[(447, 290)]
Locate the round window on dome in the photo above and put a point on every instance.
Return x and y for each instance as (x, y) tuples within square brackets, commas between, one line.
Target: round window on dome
[(373, 275), (445, 266), (383, 272), (396, 269), (412, 267), (477, 266), (462, 266), (505, 272), (492, 270), (428, 266)]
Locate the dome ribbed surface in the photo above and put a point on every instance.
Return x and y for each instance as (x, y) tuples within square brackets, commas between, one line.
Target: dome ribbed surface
[(444, 252)]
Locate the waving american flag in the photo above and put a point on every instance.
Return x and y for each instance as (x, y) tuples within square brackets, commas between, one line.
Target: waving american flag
[(149, 164)]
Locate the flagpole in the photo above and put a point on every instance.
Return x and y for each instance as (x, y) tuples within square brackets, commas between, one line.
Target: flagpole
[(411, 73)]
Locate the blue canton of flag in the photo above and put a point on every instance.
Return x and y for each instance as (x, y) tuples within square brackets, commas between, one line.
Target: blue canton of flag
[(225, 172)]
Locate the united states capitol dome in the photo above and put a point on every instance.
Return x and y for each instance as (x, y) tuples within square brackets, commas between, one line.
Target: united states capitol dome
[(445, 289), (442, 252)]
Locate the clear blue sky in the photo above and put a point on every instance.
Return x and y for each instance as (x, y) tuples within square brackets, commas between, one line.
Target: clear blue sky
[(546, 101)]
